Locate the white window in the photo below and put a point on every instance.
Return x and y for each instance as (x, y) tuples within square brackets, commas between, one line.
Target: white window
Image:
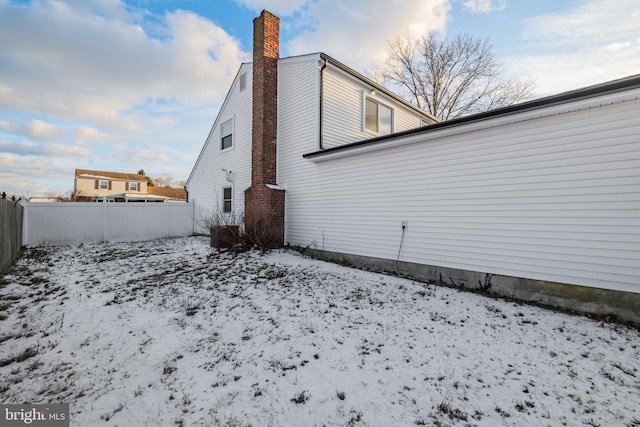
[(226, 135), (104, 185), (378, 117), (133, 186), (227, 195), (243, 81)]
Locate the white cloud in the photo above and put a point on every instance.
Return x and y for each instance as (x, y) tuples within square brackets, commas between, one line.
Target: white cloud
[(107, 8), (614, 47), (42, 174), (484, 6), (145, 156), (357, 32), (101, 77), (87, 135), (34, 129), (595, 42), (98, 67), (28, 148), (41, 131), (279, 7)]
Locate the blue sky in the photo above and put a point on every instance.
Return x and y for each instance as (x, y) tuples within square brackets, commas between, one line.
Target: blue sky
[(127, 85)]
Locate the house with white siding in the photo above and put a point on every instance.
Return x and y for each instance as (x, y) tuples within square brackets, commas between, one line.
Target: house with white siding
[(321, 103), (539, 201)]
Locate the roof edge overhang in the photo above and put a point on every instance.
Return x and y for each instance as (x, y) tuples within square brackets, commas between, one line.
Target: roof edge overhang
[(499, 117), (375, 85)]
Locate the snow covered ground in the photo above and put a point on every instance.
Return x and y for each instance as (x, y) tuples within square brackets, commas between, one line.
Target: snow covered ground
[(169, 332)]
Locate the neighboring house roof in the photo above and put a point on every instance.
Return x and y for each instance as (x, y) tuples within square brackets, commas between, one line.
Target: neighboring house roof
[(169, 192), (612, 87), (86, 173)]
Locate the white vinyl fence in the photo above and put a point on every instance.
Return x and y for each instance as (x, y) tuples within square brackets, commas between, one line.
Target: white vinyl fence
[(68, 223)]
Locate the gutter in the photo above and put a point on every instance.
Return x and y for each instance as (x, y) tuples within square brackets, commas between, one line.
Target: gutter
[(453, 126), (376, 86), (321, 124)]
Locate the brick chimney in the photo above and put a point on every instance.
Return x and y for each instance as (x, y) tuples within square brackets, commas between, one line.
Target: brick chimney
[(264, 201)]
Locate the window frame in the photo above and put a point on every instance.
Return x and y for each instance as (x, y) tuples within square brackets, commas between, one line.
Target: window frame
[(106, 184), (243, 81), (379, 106), (223, 136), (136, 184), (227, 203)]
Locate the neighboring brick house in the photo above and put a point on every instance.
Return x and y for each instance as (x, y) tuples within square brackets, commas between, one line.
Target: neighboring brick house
[(106, 186)]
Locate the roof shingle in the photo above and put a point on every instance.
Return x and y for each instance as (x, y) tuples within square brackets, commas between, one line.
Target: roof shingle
[(107, 174)]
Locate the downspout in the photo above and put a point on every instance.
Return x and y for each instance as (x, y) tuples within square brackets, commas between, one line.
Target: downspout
[(324, 65)]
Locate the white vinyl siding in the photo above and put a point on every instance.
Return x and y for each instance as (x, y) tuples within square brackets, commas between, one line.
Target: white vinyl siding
[(552, 198), (298, 107), (298, 128), (207, 178), (343, 109)]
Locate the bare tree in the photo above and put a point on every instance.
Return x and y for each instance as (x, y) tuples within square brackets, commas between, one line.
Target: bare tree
[(163, 181), (168, 181), (60, 197), (449, 78)]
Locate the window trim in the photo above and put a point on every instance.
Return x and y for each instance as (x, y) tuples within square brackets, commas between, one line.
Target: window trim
[(379, 106), (228, 201), (106, 184), (243, 81), (131, 184), (223, 136)]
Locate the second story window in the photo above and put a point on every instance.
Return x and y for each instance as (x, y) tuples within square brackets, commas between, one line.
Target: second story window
[(134, 186), (226, 135), (104, 185), (378, 117)]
